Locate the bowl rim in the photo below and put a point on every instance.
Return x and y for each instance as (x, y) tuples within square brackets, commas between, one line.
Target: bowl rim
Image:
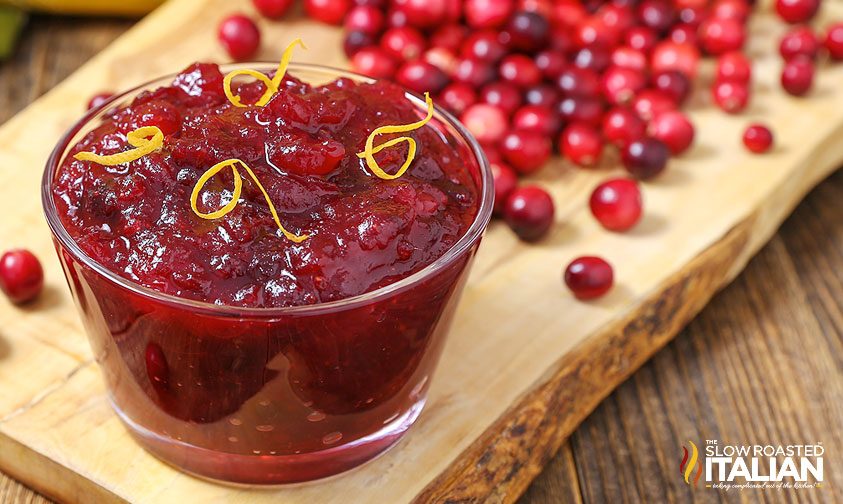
[(463, 245)]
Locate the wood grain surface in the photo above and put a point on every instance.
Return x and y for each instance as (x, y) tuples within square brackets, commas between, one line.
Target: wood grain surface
[(761, 364)]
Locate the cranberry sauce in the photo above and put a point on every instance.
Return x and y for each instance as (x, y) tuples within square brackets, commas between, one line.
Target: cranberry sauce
[(364, 232)]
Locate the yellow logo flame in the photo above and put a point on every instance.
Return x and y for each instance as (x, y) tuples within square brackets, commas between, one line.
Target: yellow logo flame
[(686, 467)]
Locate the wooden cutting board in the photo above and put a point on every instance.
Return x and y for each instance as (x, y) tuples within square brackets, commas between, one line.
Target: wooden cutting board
[(525, 362)]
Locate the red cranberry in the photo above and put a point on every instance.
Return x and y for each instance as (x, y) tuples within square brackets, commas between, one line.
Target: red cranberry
[(581, 144), (683, 34), (536, 119), (620, 85), (484, 46), (834, 41), (423, 13), (441, 58), (693, 13), (627, 57), (481, 14), (732, 97), (616, 17), (718, 36), (527, 31), (356, 40), (21, 276), (273, 9), (486, 122), (734, 67), (799, 41), (561, 41), (672, 56), (526, 152), (529, 212), (797, 11), (374, 62), (327, 11), (578, 82), (650, 103), (673, 84), (450, 37), (396, 18), (592, 58), (505, 181), (551, 64), (616, 204), (473, 72), (621, 126), (544, 95), (589, 277), (404, 43), (366, 19), (519, 70), (240, 37), (502, 95), (798, 76), (641, 38), (457, 97), (674, 129), (421, 77), (567, 13), (758, 138), (645, 158), (98, 100), (583, 109), (592, 31), (656, 14), (731, 9)]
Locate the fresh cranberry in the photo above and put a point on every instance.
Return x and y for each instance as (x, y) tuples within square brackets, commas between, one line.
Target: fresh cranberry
[(594, 58), (366, 19), (473, 72), (502, 95), (718, 36), (797, 11), (731, 9), (798, 75), (758, 138), (668, 56), (616, 17), (620, 85), (616, 204), (486, 122), (683, 34), (404, 43), (732, 97), (353, 41), (98, 100), (273, 9), (734, 67), (650, 103), (421, 77), (541, 7), (240, 37), (673, 84), (551, 64), (674, 129), (566, 14), (505, 181), (658, 15), (457, 97), (641, 38), (583, 109), (543, 95), (589, 277), (327, 11), (627, 57), (536, 119), (581, 144), (561, 41), (592, 31), (482, 14), (527, 31), (800, 41), (374, 62), (645, 158), (450, 37), (834, 41), (423, 13), (575, 82), (529, 212), (484, 46), (693, 14), (21, 275), (396, 18), (621, 126), (526, 152), (519, 70)]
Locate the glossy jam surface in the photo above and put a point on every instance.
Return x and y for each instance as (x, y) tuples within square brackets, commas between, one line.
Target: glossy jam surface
[(365, 232)]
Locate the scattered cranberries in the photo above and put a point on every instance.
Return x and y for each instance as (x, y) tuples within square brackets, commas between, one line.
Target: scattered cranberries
[(327, 11), (674, 129), (645, 158), (589, 277), (529, 212), (487, 123), (240, 37), (800, 41), (734, 67), (798, 76), (834, 41), (797, 11), (732, 97), (21, 275), (719, 35), (758, 138), (525, 151), (622, 126), (421, 77), (273, 9), (617, 204), (581, 143), (404, 43), (374, 62)]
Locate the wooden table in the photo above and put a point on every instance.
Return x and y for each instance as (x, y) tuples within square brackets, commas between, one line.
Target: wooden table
[(762, 363)]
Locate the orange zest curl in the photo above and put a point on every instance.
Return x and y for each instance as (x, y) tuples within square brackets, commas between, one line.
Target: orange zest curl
[(145, 140), (370, 150), (235, 197), (272, 85)]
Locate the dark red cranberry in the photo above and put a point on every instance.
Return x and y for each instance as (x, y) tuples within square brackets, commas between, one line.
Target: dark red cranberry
[(457, 97), (327, 11), (673, 84), (98, 100), (582, 109), (356, 40), (505, 181), (592, 31), (650, 103), (21, 275), (672, 56), (366, 19), (473, 72), (581, 143), (645, 158), (529, 212), (551, 64), (487, 14), (526, 152), (487, 123), (421, 77), (758, 138), (620, 85), (797, 11), (641, 38), (543, 95), (657, 15), (240, 37), (483, 46), (536, 119), (621, 126), (800, 41), (617, 204), (502, 95), (693, 13), (683, 34), (731, 9), (519, 70), (374, 62), (589, 277), (450, 37), (273, 9), (527, 31), (674, 129), (798, 75), (732, 97), (404, 43), (734, 67), (627, 57), (834, 41), (561, 41), (575, 81), (718, 36), (594, 58)]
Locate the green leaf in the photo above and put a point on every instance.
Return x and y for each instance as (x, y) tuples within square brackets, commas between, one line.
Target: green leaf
[(11, 22)]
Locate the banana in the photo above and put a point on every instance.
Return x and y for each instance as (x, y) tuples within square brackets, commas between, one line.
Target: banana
[(89, 7)]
